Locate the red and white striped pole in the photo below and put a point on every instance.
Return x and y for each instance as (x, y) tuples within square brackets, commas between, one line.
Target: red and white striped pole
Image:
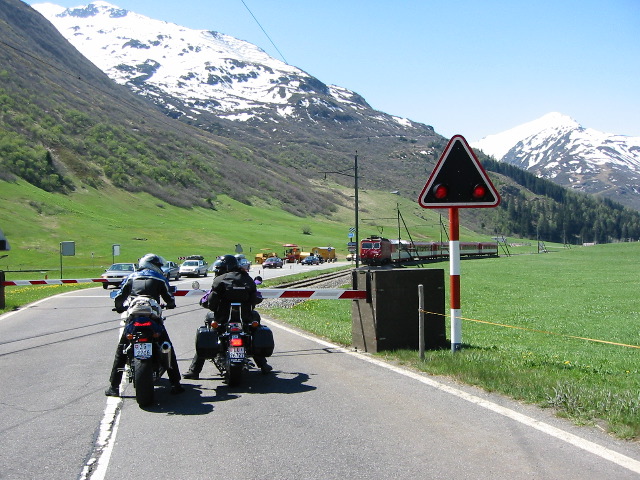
[(454, 279)]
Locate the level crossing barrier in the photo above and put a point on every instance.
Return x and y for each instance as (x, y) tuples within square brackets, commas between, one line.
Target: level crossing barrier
[(316, 294)]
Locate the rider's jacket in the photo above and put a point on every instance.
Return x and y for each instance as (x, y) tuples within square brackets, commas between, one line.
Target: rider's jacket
[(145, 282), (231, 287)]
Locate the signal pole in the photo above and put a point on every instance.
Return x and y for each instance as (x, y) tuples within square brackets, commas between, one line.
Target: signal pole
[(457, 181), (454, 279), (355, 186)]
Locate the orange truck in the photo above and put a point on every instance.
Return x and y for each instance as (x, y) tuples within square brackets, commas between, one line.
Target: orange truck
[(291, 253), (328, 254)]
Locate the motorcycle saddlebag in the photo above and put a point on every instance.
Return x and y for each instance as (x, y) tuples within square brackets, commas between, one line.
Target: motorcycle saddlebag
[(206, 342), (263, 343)]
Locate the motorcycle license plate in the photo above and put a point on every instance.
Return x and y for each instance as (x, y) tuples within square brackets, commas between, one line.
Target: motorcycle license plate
[(236, 353), (142, 350)]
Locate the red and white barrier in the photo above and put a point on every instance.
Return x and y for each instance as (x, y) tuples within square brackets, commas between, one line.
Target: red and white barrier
[(320, 294), (189, 293), (52, 282)]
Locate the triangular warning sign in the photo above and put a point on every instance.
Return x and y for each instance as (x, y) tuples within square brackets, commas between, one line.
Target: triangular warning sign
[(458, 180)]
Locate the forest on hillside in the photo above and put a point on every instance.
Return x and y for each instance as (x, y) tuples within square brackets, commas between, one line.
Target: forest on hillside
[(556, 214)]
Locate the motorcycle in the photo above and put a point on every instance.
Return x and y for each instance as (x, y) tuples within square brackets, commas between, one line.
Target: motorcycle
[(148, 357), (230, 345), (234, 345)]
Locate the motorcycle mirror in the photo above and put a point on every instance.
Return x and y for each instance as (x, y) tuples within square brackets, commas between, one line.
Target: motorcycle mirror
[(113, 293), (195, 285), (258, 280)]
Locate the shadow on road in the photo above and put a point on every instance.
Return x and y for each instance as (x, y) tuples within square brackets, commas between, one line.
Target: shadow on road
[(200, 396)]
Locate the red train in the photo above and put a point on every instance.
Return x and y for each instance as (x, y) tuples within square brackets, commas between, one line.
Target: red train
[(382, 251)]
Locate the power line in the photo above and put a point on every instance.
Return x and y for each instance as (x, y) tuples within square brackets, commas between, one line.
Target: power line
[(265, 32)]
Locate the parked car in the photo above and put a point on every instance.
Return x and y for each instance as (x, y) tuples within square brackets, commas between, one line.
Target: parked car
[(171, 270), (118, 272), (273, 262), (310, 260), (194, 268)]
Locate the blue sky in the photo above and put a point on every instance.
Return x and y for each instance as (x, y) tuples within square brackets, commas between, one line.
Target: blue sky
[(465, 67)]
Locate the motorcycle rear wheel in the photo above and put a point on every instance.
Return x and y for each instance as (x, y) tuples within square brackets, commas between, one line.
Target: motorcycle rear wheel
[(143, 381), (234, 374)]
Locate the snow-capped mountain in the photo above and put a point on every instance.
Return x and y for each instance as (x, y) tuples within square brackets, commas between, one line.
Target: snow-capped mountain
[(558, 148), (232, 88), (195, 72)]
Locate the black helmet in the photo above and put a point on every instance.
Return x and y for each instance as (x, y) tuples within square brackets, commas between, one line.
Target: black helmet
[(227, 263), (152, 261)]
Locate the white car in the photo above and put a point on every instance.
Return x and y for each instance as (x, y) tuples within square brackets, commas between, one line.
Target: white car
[(194, 268)]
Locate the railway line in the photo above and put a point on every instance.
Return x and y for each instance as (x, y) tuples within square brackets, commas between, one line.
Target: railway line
[(334, 278), (327, 280)]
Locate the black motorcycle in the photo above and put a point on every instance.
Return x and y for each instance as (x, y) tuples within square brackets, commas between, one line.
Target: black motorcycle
[(148, 357), (231, 344)]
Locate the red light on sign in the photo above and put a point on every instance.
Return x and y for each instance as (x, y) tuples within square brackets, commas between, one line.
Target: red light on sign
[(479, 192), (440, 191)]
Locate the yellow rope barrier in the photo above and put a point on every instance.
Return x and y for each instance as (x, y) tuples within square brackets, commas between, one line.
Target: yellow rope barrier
[(538, 331)]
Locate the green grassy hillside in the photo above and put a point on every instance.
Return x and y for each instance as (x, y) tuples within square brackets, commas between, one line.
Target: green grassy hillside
[(35, 222)]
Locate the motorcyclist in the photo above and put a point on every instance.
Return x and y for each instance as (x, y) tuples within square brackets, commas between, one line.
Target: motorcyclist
[(229, 276), (147, 281)]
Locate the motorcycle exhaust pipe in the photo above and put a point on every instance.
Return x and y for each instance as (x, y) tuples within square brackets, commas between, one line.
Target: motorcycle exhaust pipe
[(165, 351)]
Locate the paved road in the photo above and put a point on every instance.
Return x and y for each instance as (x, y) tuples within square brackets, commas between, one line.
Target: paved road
[(325, 413)]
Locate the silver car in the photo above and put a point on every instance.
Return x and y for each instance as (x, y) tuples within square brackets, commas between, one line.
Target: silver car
[(118, 272), (171, 270), (194, 268)]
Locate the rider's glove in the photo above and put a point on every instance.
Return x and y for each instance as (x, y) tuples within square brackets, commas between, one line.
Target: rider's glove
[(171, 306)]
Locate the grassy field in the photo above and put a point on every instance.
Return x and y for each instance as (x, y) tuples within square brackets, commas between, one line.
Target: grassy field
[(35, 222), (559, 330)]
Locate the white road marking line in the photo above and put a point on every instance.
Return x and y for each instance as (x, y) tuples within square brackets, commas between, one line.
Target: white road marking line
[(603, 452)]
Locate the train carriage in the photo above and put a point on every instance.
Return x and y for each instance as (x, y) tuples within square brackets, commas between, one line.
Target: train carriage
[(382, 251)]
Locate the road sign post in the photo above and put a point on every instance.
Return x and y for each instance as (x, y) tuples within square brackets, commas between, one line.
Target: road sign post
[(67, 249), (457, 181)]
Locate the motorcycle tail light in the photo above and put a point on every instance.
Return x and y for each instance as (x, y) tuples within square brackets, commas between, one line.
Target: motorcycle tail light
[(255, 324), (129, 336), (214, 324), (143, 340), (156, 335), (142, 324), (236, 342)]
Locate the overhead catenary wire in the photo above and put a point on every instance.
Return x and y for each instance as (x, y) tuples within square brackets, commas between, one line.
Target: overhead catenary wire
[(265, 32)]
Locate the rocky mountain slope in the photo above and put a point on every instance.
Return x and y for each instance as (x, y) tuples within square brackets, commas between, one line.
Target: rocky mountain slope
[(66, 127), (232, 88), (558, 148)]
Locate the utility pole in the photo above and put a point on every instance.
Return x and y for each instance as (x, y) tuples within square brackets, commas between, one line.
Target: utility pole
[(355, 187)]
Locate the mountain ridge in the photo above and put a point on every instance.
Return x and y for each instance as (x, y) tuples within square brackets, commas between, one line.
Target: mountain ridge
[(558, 148), (60, 130), (208, 71)]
